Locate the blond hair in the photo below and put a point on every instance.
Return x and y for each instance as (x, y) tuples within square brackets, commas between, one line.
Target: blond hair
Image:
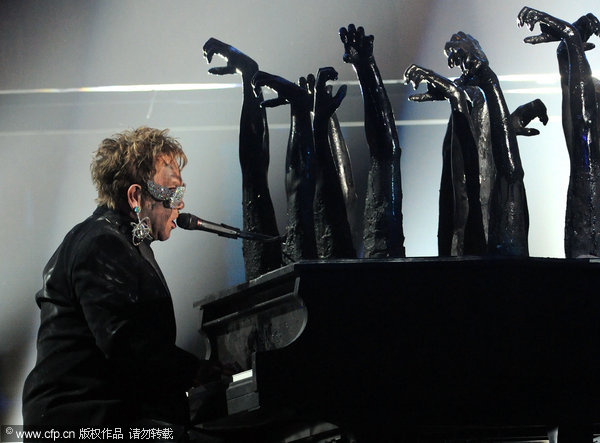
[(128, 158)]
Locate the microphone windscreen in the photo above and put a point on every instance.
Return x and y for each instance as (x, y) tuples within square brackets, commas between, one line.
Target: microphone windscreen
[(186, 221)]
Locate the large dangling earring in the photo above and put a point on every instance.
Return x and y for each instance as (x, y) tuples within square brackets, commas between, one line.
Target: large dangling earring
[(141, 229)]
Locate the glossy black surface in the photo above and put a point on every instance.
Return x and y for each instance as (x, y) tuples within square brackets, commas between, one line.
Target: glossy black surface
[(581, 124), (383, 233), (299, 164), (332, 189), (395, 349), (258, 213)]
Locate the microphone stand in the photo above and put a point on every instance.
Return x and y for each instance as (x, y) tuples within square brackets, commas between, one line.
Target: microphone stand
[(233, 232)]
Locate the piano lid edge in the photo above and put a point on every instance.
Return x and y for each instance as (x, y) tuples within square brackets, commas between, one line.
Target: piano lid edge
[(270, 277), (294, 269)]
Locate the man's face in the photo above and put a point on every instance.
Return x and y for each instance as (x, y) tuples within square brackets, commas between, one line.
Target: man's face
[(162, 219)]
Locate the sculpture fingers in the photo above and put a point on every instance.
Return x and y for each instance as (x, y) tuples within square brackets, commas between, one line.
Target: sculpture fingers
[(533, 109), (310, 83), (537, 39), (595, 23), (541, 111), (526, 132), (222, 70), (274, 102), (212, 47), (340, 95), (413, 75), (528, 16), (425, 97), (208, 49), (262, 78), (324, 75), (343, 32), (524, 114)]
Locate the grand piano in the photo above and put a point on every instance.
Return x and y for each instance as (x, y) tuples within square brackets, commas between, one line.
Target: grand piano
[(416, 349)]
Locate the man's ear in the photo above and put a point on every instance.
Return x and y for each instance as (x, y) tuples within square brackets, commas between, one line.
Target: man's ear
[(134, 196)]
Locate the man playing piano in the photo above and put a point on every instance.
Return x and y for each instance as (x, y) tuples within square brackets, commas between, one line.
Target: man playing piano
[(106, 353)]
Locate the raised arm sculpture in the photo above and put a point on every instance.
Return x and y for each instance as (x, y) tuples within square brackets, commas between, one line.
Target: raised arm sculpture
[(299, 167), (468, 169), (257, 208), (461, 223), (581, 124), (383, 233), (343, 166), (332, 230), (509, 217), (342, 163)]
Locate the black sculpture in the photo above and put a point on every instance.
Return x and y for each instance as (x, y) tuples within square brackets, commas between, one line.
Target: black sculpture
[(461, 222), (300, 163), (468, 170), (581, 124), (343, 166), (383, 234), (257, 207), (509, 218), (524, 114), (332, 230)]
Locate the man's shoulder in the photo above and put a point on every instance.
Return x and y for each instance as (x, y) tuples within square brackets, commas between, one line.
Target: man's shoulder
[(101, 224), (103, 229)]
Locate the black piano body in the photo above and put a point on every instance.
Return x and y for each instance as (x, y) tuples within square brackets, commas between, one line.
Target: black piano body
[(400, 349)]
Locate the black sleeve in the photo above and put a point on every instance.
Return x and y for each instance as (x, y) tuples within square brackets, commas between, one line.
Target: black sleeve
[(130, 313)]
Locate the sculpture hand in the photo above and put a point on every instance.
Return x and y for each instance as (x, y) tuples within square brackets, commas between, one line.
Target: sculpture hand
[(524, 114), (307, 84), (438, 87), (554, 29), (237, 61), (463, 50), (358, 46), (325, 103), (288, 92), (588, 25)]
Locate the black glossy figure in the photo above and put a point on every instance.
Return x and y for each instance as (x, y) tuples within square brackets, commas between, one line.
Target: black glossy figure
[(343, 166), (300, 163), (332, 230), (257, 207), (383, 233), (580, 116), (461, 227), (468, 170), (524, 114), (509, 217)]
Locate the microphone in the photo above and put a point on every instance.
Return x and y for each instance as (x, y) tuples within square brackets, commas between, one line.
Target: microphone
[(193, 223)]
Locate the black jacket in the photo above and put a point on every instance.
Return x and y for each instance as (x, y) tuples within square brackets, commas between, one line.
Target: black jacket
[(106, 343)]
